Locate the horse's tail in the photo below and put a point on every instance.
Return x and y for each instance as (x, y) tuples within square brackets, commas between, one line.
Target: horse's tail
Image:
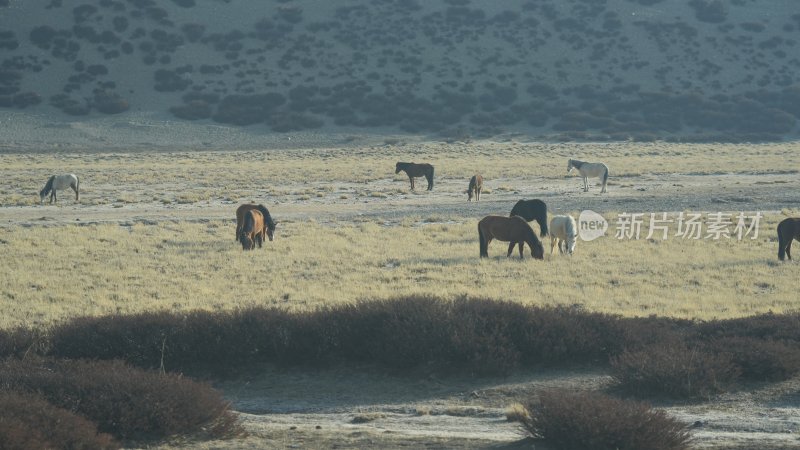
[(782, 241), (544, 231), (484, 244), (77, 188), (430, 180)]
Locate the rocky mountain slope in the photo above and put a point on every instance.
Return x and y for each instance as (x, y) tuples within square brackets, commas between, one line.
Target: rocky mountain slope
[(581, 69)]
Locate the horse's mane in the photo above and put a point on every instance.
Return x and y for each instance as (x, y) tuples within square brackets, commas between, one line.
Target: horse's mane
[(577, 163), (267, 217), (48, 187)]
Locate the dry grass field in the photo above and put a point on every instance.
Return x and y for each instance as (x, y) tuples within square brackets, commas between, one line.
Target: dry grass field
[(155, 230), (350, 229)]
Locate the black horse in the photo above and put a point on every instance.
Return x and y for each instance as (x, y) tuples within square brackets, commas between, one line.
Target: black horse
[(788, 230), (532, 210), (414, 170)]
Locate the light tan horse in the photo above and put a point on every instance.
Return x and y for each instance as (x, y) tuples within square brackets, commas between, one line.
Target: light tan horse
[(508, 229), (563, 230), (475, 186)]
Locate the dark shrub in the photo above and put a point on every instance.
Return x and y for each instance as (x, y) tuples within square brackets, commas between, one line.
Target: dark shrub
[(170, 81), (589, 420), (69, 105), (42, 36), (20, 341), (763, 326), (109, 102), (126, 402), (674, 370), (28, 422), (26, 99), (712, 11), (758, 359)]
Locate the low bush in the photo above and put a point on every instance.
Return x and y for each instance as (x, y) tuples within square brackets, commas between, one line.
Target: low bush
[(27, 421), (674, 370), (124, 401), (664, 356), (760, 359), (590, 420)]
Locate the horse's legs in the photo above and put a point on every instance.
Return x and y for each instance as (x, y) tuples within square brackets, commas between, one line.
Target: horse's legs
[(53, 196), (553, 240), (789, 250), (561, 250), (412, 182), (585, 184), (477, 194), (510, 248), (521, 249), (76, 191)]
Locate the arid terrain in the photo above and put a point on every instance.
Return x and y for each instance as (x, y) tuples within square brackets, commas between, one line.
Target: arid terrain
[(154, 230)]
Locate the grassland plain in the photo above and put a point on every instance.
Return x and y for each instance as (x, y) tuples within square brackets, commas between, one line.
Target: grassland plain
[(350, 229), (154, 230)]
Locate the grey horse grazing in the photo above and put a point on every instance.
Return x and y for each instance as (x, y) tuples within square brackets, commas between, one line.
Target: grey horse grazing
[(587, 170), (57, 183)]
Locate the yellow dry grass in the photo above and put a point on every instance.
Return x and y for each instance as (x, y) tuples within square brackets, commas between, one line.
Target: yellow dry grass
[(52, 274), (55, 273)]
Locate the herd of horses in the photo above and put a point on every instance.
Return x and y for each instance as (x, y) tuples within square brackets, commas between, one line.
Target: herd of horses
[(254, 223)]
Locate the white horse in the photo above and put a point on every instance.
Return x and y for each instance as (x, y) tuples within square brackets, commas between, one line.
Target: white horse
[(58, 182), (598, 170), (563, 230)]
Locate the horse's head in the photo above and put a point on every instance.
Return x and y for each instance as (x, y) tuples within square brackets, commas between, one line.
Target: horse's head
[(537, 250), (398, 167), (570, 244), (469, 194), (271, 230), (42, 195), (570, 166)]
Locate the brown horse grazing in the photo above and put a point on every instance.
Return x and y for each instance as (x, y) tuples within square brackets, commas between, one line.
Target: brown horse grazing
[(252, 230), (509, 229), (475, 186), (414, 170), (269, 224), (788, 230)]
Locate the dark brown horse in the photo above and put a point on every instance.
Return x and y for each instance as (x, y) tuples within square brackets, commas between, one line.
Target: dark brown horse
[(788, 230), (509, 229), (532, 210), (252, 230), (475, 186), (269, 224), (414, 170)]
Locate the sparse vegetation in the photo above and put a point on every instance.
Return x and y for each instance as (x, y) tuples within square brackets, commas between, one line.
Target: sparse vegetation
[(582, 420), (125, 402)]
